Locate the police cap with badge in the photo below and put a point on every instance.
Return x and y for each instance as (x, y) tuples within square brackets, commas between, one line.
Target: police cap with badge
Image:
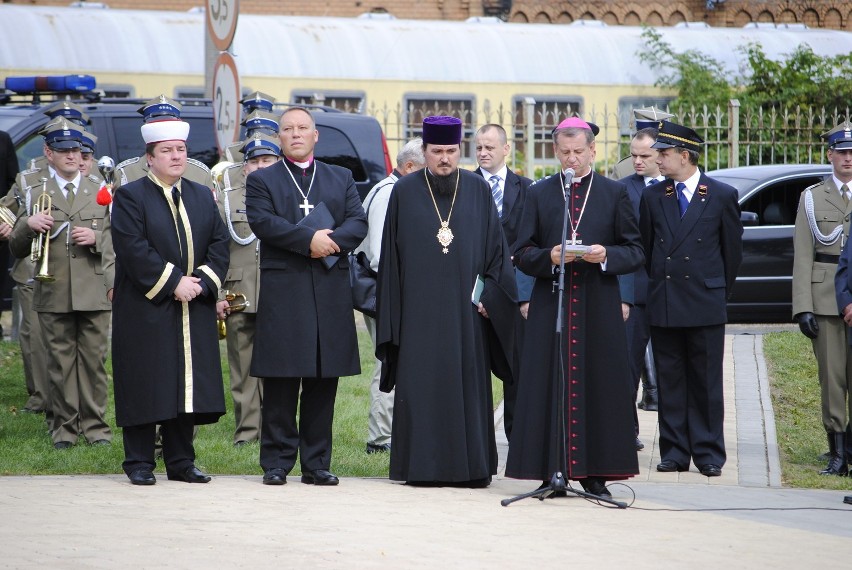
[(160, 109), (261, 121), (260, 144), (672, 135), (257, 100), (60, 134), (649, 118), (71, 112), (840, 137)]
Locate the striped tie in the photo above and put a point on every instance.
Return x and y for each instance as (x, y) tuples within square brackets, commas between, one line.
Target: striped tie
[(497, 193)]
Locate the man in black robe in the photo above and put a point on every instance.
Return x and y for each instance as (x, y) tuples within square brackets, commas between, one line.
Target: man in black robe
[(439, 335), (590, 369), (307, 216), (171, 256)]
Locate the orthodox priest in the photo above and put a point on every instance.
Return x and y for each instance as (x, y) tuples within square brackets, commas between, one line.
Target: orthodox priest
[(308, 217), (590, 363), (446, 313), (171, 256)]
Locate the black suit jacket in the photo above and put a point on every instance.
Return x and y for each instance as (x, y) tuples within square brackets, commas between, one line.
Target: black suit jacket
[(635, 186), (514, 197), (692, 262)]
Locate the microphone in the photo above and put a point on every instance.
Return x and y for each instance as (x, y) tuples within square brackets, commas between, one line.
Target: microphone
[(569, 177)]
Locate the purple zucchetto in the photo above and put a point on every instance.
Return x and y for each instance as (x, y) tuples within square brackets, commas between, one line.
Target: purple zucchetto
[(442, 130)]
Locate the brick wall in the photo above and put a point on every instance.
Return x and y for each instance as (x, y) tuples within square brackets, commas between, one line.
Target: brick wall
[(835, 14)]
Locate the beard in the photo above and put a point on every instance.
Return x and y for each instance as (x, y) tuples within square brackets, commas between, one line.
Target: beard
[(444, 185)]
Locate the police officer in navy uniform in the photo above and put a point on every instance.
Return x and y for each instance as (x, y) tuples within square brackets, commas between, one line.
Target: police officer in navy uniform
[(822, 226), (692, 235)]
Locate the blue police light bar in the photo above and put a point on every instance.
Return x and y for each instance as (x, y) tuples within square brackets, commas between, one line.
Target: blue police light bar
[(51, 84)]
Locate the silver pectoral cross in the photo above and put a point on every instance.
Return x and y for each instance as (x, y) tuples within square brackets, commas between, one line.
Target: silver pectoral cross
[(574, 240), (307, 207)]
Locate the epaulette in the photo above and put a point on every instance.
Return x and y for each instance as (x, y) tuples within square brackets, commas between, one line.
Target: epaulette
[(812, 186), (95, 179), (128, 162), (233, 175), (199, 164)]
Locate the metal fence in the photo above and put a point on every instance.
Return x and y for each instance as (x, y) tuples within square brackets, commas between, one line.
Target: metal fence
[(734, 136)]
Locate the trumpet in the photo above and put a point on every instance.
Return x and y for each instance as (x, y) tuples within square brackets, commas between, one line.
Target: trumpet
[(106, 166), (236, 302), (40, 249), (7, 216)]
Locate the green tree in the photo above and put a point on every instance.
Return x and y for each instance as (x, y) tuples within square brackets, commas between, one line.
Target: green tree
[(697, 78)]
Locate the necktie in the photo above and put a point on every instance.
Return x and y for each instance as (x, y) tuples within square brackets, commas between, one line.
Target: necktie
[(182, 240), (844, 191), (682, 201), (497, 193), (69, 196)]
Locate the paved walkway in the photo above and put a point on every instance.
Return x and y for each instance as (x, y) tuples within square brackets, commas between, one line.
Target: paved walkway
[(742, 519)]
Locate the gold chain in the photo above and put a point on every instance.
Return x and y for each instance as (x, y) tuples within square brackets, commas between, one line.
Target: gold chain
[(445, 234)]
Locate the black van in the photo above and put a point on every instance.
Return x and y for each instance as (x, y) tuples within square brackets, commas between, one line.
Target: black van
[(346, 139)]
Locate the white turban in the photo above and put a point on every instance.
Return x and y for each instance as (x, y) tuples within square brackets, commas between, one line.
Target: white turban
[(165, 131)]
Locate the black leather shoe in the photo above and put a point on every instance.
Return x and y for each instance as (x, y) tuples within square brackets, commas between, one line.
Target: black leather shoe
[(142, 477), (669, 466), (639, 445), (100, 442), (595, 486), (62, 445), (31, 411), (374, 448), (710, 470), (189, 475), (274, 477), (320, 477)]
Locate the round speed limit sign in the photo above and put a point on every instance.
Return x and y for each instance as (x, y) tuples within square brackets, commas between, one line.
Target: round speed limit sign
[(222, 22), (226, 100)]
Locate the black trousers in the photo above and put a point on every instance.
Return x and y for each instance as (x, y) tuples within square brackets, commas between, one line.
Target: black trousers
[(282, 435), (638, 334), (691, 405), (178, 450)]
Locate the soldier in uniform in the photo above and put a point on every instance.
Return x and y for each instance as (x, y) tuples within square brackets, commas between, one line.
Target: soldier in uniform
[(243, 277), (87, 155), (822, 227), (256, 101), (33, 352), (160, 109), (71, 303)]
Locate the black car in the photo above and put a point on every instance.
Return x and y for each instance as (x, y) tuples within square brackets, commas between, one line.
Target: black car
[(769, 198)]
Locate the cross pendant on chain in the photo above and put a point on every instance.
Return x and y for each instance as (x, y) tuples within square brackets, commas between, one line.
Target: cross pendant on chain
[(306, 206)]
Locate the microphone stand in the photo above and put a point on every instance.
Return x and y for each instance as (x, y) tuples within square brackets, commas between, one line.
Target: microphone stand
[(557, 479)]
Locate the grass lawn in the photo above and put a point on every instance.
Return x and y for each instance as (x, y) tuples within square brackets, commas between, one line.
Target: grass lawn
[(26, 448), (796, 401)]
